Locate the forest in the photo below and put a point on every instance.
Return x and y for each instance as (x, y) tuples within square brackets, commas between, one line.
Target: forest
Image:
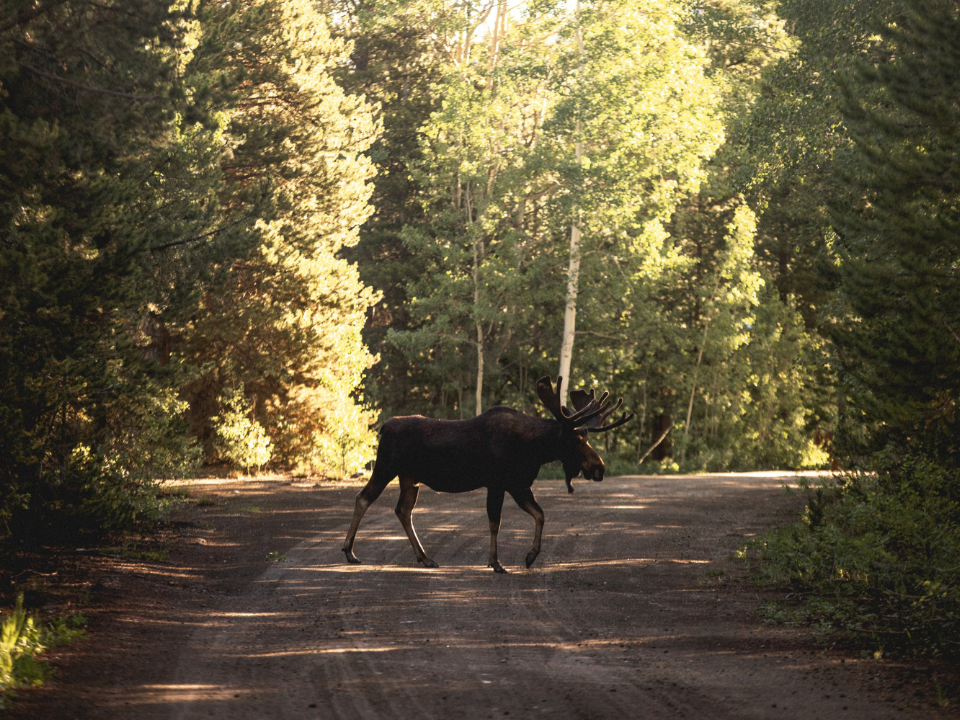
[(241, 235)]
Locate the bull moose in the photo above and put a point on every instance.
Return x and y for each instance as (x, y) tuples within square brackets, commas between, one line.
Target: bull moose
[(501, 450)]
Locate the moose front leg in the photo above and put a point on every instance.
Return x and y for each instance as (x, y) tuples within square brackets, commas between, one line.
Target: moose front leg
[(365, 498), (409, 492), (528, 503), (494, 511)]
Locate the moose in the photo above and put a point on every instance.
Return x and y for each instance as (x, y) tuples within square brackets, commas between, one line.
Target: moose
[(501, 450)]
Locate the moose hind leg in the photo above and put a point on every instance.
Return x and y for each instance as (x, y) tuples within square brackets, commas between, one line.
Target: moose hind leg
[(365, 498), (528, 503), (409, 492), (494, 511)]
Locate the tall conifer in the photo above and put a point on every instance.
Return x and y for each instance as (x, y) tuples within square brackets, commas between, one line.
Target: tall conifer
[(898, 249), (280, 315), (87, 98)]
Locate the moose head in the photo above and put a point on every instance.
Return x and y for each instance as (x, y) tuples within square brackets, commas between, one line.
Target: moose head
[(590, 415)]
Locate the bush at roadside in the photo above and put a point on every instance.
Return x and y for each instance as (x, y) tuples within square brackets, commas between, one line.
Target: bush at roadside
[(875, 556)]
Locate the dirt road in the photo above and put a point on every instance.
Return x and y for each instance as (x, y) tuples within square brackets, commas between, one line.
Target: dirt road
[(635, 609)]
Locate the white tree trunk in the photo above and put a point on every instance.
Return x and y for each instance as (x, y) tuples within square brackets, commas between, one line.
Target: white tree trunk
[(570, 311), (693, 392), (478, 251), (573, 272)]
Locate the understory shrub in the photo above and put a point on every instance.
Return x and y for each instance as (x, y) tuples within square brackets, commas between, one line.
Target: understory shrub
[(23, 640), (241, 440), (876, 556)]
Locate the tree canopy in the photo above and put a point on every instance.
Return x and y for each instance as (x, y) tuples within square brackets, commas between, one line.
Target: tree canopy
[(178, 183)]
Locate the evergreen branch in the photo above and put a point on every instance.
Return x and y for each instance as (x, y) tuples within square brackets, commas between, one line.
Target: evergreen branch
[(35, 49), (88, 88), (28, 15), (952, 331), (201, 236)]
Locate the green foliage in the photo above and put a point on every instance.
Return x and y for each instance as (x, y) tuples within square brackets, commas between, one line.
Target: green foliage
[(473, 299), (23, 640), (896, 244), (784, 146), (877, 556), (166, 234), (858, 133), (348, 443), (19, 644), (87, 101), (399, 53), (502, 186), (241, 440), (279, 312)]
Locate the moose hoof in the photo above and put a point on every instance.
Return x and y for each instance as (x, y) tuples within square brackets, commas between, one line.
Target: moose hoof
[(497, 567), (428, 563), (351, 558), (531, 558)]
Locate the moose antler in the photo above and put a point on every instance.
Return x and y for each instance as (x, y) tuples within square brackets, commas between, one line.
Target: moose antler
[(590, 412), (551, 398), (624, 418), (586, 406)]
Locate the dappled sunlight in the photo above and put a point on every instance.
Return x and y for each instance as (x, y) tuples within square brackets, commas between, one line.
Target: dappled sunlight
[(617, 589), (327, 651), (561, 566), (195, 691), (184, 694), (164, 571), (219, 544), (379, 569), (251, 614)]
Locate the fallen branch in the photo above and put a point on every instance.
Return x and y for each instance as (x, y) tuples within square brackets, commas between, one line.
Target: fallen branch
[(656, 444)]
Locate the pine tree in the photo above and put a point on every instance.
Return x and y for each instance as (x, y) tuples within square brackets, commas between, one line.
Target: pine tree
[(280, 313), (88, 100), (898, 248), (398, 52)]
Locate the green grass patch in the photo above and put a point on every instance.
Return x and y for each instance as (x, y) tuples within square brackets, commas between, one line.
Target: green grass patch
[(133, 551), (23, 640), (247, 509)]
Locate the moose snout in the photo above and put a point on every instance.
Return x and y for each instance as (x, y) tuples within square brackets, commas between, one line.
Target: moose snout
[(594, 472)]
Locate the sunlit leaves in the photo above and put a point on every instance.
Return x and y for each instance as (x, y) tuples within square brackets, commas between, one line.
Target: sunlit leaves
[(281, 313)]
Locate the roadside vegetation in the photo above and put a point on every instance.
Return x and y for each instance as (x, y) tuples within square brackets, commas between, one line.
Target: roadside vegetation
[(23, 640), (877, 553), (240, 235), (875, 559)]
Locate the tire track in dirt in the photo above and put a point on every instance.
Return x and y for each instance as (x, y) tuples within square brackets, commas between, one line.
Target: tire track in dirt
[(628, 613)]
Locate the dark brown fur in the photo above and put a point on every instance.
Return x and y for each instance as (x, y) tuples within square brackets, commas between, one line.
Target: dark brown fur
[(501, 450)]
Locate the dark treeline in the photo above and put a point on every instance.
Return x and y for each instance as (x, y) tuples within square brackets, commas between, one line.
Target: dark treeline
[(243, 233)]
